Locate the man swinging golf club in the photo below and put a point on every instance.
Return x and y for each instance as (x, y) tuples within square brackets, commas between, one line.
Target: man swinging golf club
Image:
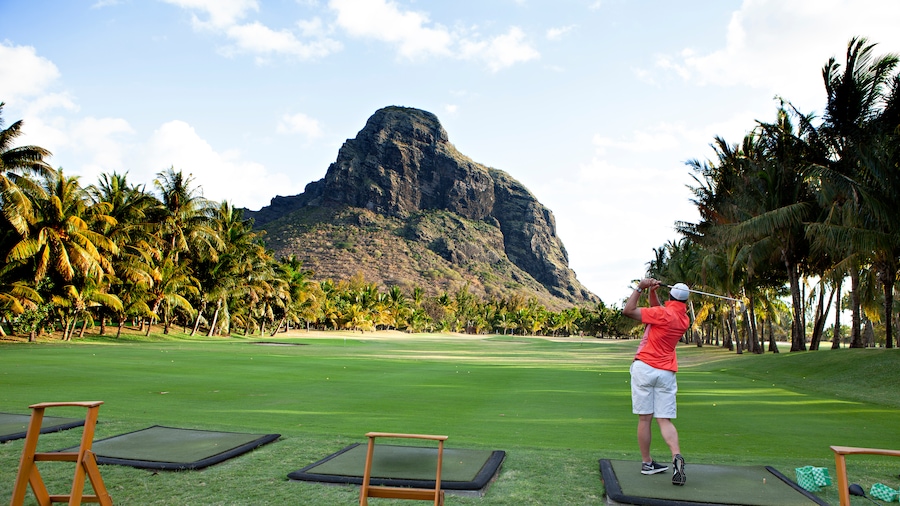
[(653, 385)]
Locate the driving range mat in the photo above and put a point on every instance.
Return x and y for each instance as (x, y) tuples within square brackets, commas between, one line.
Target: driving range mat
[(706, 485), (407, 466), (169, 448), (14, 426)]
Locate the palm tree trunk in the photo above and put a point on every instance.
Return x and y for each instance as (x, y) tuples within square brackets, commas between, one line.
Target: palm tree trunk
[(888, 283), (65, 330), (855, 336), (836, 338), (819, 321), (773, 345), (739, 341), (215, 319), (275, 330), (199, 314), (798, 333), (727, 333), (119, 330), (83, 326), (753, 345)]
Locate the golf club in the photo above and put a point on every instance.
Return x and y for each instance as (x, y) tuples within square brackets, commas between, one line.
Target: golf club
[(739, 301)]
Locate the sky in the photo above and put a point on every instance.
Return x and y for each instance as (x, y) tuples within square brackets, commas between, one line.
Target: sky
[(594, 105)]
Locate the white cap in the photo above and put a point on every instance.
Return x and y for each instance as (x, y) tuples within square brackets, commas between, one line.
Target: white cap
[(680, 291)]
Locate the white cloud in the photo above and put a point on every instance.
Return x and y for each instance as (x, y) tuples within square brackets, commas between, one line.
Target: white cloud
[(781, 46), (222, 175), (501, 51), (220, 13), (24, 74), (224, 16), (557, 33), (299, 124), (451, 108), (416, 37), (256, 38), (383, 20)]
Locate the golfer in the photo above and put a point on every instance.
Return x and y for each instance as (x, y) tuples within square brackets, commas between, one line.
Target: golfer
[(653, 385)]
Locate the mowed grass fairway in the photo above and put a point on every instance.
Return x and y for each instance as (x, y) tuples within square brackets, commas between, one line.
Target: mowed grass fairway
[(555, 407)]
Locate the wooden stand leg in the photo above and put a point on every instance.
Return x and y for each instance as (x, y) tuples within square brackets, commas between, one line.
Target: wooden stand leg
[(84, 458)]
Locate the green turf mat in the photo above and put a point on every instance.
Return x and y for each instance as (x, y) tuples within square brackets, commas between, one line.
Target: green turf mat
[(413, 466), (159, 447), (706, 485), (13, 426)]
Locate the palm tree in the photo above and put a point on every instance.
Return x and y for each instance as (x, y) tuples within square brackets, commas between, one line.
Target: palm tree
[(168, 292), (185, 219), (298, 290), (130, 207), (222, 272), (62, 241), (16, 164), (859, 179)]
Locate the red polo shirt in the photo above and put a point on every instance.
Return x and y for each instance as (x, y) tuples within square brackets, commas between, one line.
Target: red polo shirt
[(665, 326)]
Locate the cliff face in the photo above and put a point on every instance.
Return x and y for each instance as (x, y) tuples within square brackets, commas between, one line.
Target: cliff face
[(401, 166)]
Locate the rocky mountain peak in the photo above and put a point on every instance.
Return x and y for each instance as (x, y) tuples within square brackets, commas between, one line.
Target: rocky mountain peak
[(402, 166)]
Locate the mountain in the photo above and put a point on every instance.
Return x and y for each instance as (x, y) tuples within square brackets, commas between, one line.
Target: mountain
[(401, 206)]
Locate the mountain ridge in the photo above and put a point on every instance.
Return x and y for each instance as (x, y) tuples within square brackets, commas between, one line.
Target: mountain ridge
[(402, 186)]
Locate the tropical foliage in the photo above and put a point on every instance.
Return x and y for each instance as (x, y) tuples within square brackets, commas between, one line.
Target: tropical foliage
[(801, 200)]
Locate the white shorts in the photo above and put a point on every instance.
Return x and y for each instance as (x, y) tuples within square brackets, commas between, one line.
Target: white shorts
[(652, 391)]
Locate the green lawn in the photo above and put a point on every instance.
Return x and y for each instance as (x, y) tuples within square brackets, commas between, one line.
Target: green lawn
[(555, 407)]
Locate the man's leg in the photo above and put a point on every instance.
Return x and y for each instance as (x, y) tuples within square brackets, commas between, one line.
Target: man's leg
[(645, 435), (669, 434)]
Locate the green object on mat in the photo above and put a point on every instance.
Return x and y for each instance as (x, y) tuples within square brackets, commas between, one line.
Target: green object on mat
[(407, 462), (13, 426), (710, 484)]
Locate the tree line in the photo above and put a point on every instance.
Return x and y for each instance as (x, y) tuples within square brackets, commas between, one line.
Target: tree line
[(116, 253), (797, 209)]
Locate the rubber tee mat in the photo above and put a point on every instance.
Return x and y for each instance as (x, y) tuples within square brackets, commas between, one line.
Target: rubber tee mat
[(170, 448), (407, 466), (706, 485), (13, 426)]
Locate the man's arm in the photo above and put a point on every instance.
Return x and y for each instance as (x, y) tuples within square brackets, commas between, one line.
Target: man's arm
[(653, 296), (631, 310)]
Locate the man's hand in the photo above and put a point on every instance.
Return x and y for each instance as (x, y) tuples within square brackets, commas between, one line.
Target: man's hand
[(631, 310), (650, 283)]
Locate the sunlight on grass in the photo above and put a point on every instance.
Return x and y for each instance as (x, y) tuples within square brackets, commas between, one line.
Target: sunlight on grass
[(555, 405)]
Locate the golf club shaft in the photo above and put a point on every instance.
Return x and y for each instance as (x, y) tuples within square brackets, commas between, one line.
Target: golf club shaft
[(701, 293), (710, 294)]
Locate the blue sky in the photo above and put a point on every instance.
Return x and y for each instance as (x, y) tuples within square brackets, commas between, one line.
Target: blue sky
[(594, 105)]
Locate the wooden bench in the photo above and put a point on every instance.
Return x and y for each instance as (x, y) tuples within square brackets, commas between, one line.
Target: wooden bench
[(840, 464), (419, 494), (85, 461)]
